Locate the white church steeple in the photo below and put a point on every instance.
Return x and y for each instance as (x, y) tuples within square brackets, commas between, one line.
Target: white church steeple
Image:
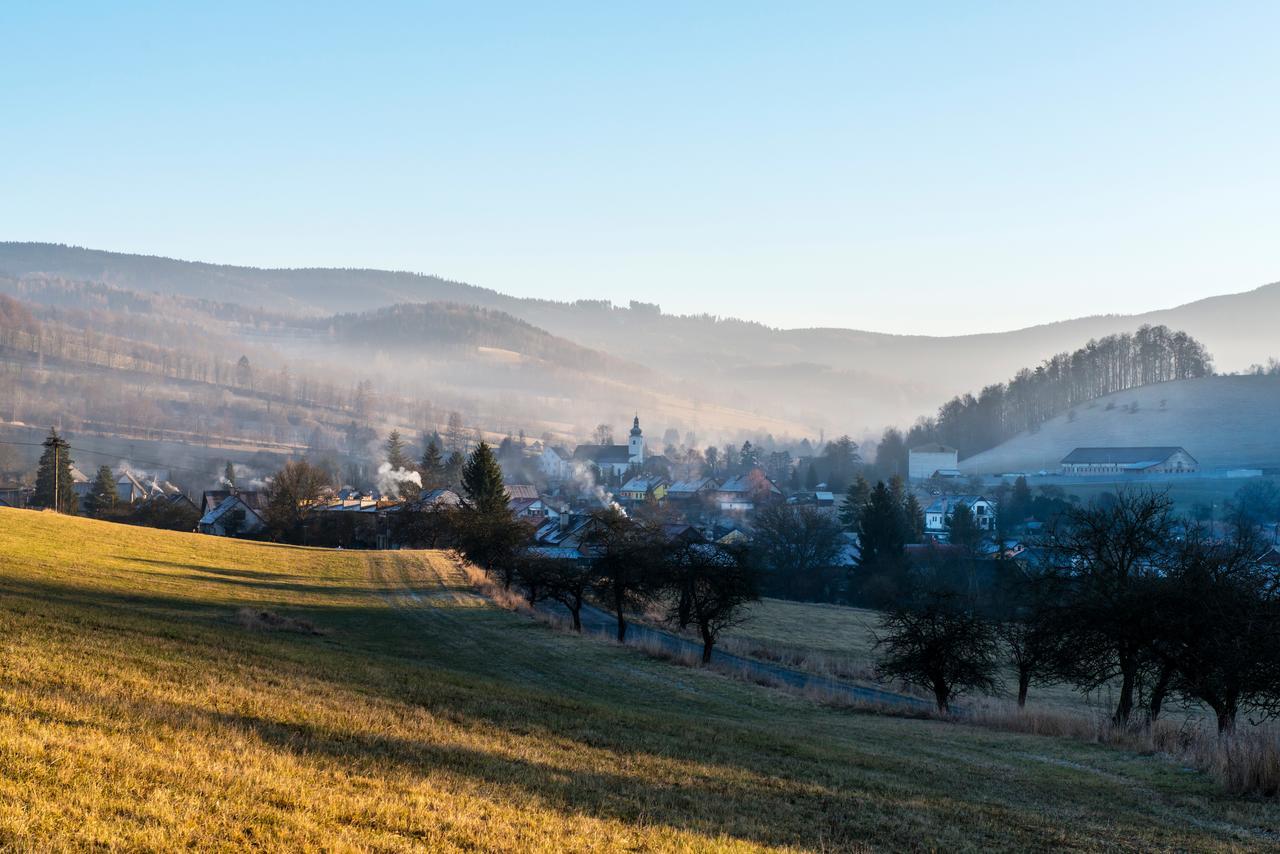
[(635, 446)]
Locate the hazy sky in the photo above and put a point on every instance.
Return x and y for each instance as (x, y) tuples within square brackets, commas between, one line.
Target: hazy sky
[(923, 167)]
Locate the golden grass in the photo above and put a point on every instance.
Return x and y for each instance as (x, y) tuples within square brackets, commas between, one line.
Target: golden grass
[(138, 712)]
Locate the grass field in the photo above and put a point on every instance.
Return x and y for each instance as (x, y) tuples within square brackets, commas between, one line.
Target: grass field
[(143, 705), (840, 641)]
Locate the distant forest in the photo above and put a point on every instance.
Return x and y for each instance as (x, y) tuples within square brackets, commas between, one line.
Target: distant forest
[(1154, 354)]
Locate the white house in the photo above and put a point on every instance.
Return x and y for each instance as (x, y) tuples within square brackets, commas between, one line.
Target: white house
[(926, 460), (555, 463), (937, 516), (1150, 460)]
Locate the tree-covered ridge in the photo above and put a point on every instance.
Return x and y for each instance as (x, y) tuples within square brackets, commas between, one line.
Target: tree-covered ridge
[(453, 327), (1153, 354)]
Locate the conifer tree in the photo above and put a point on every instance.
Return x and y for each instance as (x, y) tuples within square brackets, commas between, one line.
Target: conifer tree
[(396, 456), (432, 466), (229, 475), (482, 481), (54, 485), (102, 496), (857, 498)]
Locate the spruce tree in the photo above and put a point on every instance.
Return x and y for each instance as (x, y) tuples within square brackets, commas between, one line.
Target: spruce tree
[(396, 456), (432, 466), (229, 475), (102, 496), (482, 481), (913, 515), (857, 498), (55, 489), (880, 529)]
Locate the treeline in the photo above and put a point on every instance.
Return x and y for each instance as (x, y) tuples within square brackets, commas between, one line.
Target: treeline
[(1154, 354), (1131, 600)]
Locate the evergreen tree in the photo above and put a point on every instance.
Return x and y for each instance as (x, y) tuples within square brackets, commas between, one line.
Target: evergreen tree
[(857, 498), (453, 469), (811, 477), (748, 457), (963, 528), (913, 515), (102, 496), (432, 466), (482, 481), (880, 529), (229, 475), (394, 448), (54, 486)]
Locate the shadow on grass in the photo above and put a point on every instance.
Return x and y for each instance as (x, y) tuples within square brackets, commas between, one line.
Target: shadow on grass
[(763, 780)]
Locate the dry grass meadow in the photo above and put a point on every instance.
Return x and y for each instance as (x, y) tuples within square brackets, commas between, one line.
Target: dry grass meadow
[(167, 691)]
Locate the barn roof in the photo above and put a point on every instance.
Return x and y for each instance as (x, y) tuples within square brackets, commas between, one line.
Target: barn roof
[(1121, 456)]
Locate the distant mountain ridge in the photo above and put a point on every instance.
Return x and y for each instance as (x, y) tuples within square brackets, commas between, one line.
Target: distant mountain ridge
[(860, 381)]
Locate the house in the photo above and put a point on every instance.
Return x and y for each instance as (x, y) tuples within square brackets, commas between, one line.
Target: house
[(744, 492), (614, 460), (937, 516), (232, 517), (926, 460), (16, 495), (680, 532), (437, 499), (643, 489), (692, 490), (80, 484), (532, 509), (1148, 460), (522, 491), (211, 498), (554, 463)]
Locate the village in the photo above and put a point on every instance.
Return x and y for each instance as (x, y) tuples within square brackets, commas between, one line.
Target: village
[(557, 495)]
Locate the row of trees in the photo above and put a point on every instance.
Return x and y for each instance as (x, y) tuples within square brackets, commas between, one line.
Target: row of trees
[(1134, 600), (1153, 354)]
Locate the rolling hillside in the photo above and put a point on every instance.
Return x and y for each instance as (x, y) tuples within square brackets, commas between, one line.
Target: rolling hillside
[(842, 379), (168, 691), (1225, 422)]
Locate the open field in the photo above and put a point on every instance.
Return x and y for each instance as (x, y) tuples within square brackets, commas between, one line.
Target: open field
[(147, 703), (840, 641)]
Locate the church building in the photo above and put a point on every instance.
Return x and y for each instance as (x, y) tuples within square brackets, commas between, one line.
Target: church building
[(615, 460)]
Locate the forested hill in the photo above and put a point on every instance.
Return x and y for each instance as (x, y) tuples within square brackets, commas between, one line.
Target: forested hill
[(975, 423), (841, 379), (460, 330)]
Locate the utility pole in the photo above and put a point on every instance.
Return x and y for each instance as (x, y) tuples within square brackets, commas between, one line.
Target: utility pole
[(57, 507)]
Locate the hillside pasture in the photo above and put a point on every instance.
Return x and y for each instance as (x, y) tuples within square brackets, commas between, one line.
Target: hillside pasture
[(390, 707), (1224, 422)]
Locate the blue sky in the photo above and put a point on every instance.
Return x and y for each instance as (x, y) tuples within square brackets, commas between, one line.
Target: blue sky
[(924, 167)]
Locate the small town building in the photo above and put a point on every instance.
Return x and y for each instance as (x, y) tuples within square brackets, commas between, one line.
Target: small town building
[(534, 510), (232, 517), (937, 516), (746, 491), (692, 490), (615, 460), (1140, 460), (639, 489), (925, 461), (554, 463)]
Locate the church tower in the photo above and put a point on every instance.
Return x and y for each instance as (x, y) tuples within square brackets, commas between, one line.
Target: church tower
[(635, 446)]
